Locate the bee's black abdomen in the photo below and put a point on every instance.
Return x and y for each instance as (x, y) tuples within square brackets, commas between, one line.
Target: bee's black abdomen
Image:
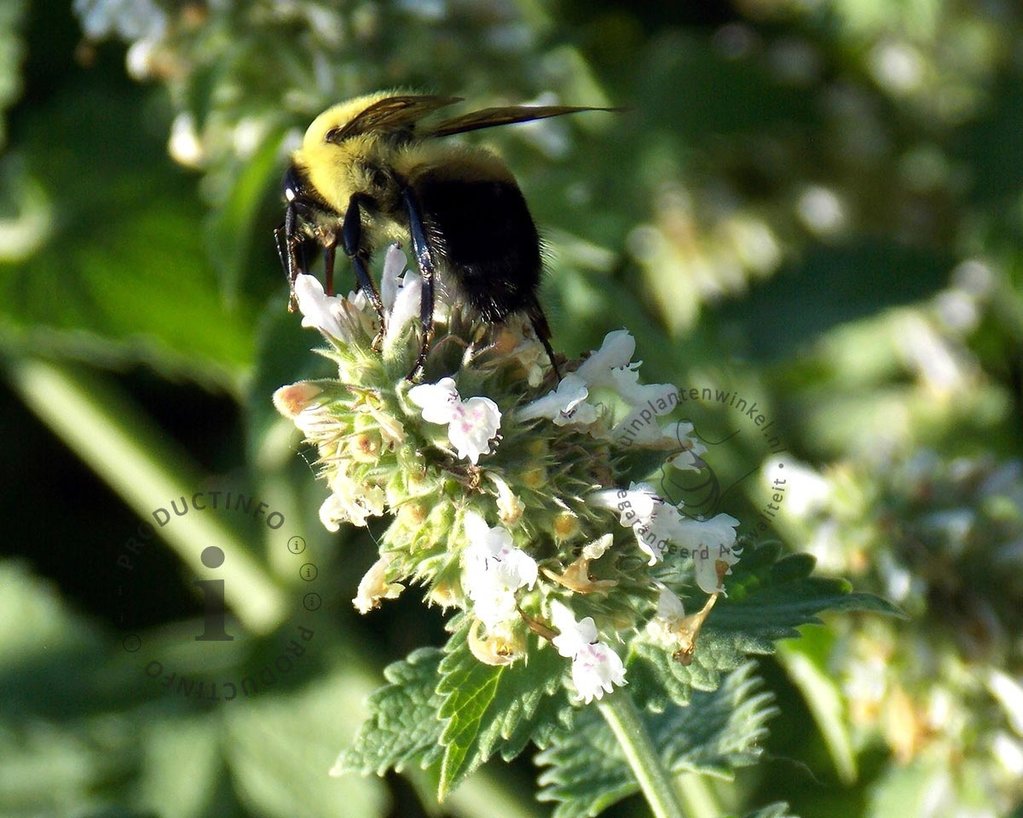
[(485, 235)]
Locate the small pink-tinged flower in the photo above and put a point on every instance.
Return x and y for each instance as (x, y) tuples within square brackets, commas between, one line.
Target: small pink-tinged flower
[(595, 667), (494, 569), (472, 423)]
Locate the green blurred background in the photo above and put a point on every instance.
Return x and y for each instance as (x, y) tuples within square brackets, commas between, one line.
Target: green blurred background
[(814, 204)]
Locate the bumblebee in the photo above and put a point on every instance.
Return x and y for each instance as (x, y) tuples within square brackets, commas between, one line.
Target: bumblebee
[(369, 172)]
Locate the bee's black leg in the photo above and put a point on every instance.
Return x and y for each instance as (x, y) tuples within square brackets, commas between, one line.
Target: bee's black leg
[(351, 236), (543, 332), (328, 268), (428, 270), (285, 238)]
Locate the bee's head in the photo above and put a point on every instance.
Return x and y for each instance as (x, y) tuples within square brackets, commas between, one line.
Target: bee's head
[(345, 139), (334, 144)]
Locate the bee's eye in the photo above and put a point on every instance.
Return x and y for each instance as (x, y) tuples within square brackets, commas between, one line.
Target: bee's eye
[(292, 184), (333, 135)]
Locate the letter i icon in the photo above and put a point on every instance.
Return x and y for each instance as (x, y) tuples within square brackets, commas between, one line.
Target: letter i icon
[(214, 609)]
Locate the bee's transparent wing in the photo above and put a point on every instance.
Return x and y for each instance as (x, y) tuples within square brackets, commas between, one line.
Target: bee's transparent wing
[(507, 115)]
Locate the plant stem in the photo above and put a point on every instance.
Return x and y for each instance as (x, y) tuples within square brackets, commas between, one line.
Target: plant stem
[(656, 782), (112, 437)]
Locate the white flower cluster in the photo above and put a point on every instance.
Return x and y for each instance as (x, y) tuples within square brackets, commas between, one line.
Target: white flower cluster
[(660, 526), (142, 23), (609, 367), (499, 582), (612, 370), (344, 320), (128, 19), (494, 570)]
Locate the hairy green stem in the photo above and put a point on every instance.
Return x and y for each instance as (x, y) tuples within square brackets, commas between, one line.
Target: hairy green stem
[(655, 781)]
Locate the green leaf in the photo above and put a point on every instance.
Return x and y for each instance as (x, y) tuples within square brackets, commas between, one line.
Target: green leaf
[(769, 598), (119, 271), (806, 662), (279, 750), (447, 708), (405, 726), (713, 734), (11, 50), (468, 688), (494, 709)]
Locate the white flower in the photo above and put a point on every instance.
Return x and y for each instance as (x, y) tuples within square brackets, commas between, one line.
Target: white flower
[(509, 505), (659, 525), (595, 667), (595, 670), (615, 352), (565, 406), (708, 542), (661, 398), (351, 502), (670, 613), (690, 451), (669, 606), (492, 551), (494, 569), (640, 508), (404, 309), (596, 549), (655, 535), (401, 298), (634, 505), (472, 423), (609, 367), (394, 263), (471, 431), (648, 403), (439, 401), (572, 635), (374, 587), (319, 310)]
